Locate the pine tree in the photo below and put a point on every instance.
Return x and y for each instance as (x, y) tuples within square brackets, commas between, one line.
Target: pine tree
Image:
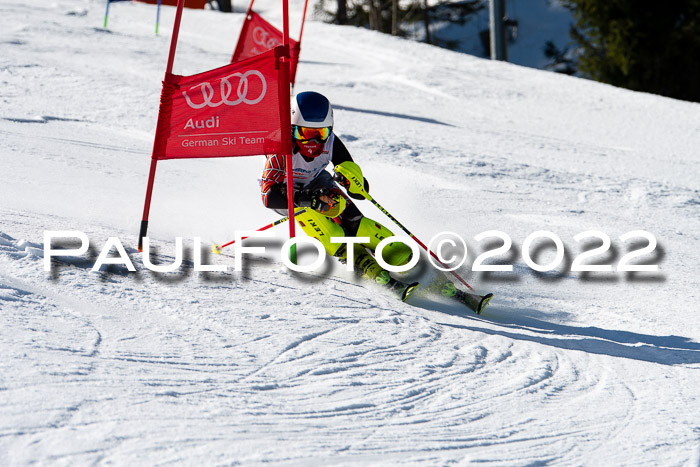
[(645, 46), (389, 16)]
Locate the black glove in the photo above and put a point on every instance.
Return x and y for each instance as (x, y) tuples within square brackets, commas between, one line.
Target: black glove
[(312, 199)]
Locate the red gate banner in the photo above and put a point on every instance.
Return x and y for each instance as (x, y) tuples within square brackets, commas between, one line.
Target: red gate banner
[(257, 36), (198, 4), (229, 111)]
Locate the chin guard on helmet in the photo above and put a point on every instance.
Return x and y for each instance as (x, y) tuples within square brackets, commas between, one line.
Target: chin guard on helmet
[(309, 149)]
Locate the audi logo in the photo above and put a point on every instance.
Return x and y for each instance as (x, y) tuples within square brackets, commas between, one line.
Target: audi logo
[(263, 38), (226, 87)]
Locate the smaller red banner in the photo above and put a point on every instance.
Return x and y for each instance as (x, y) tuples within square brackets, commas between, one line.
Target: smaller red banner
[(226, 112), (257, 36), (197, 4)]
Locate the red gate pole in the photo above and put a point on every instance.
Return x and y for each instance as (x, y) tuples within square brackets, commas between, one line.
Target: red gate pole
[(244, 29), (287, 126), (303, 20), (154, 161), (250, 7), (297, 52)]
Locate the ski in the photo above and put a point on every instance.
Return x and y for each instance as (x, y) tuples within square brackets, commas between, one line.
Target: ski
[(410, 288), (401, 290), (475, 302)]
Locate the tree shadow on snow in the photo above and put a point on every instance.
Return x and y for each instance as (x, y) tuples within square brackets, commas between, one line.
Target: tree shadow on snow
[(389, 114)]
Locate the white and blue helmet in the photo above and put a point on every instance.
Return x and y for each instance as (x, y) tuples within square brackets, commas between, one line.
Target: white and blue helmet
[(312, 122), (312, 110)]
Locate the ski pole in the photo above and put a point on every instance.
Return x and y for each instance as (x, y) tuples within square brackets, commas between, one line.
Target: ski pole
[(349, 172), (106, 14), (217, 249), (158, 16)]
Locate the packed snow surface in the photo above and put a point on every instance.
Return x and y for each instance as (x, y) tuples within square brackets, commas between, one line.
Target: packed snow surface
[(270, 366)]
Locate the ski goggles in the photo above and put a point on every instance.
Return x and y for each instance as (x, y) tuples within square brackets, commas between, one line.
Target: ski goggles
[(305, 135)]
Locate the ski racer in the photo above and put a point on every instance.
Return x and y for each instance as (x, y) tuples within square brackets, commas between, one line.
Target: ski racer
[(329, 212)]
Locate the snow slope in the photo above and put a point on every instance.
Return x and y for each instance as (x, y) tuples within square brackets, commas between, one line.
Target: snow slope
[(269, 366)]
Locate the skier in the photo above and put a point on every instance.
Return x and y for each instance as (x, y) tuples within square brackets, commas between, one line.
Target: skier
[(329, 212)]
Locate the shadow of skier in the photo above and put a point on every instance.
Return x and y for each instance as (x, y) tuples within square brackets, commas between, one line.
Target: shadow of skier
[(665, 350)]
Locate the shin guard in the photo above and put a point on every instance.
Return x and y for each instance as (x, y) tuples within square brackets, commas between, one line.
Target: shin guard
[(321, 228), (395, 253)]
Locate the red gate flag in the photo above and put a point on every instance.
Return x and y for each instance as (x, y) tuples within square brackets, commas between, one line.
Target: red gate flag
[(240, 109), (257, 36), (197, 4), (229, 111)]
